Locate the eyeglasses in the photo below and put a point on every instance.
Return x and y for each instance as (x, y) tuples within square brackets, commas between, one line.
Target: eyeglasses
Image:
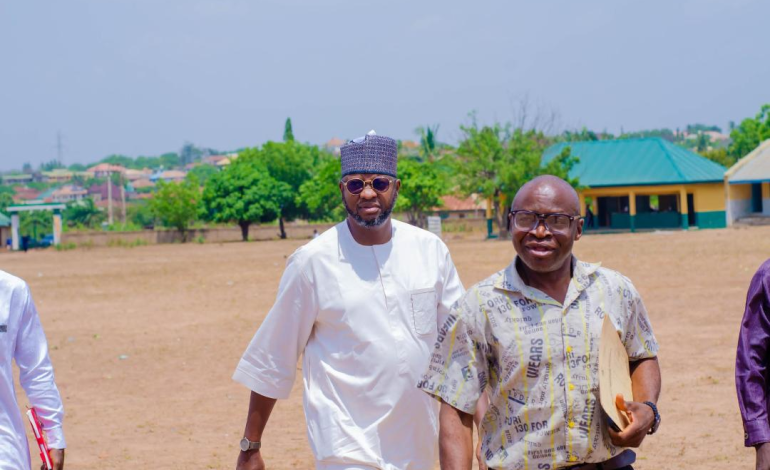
[(528, 221), (380, 184)]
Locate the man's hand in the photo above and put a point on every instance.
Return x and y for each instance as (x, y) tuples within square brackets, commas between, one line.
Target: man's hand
[(763, 456), (251, 460), (641, 419), (57, 459)]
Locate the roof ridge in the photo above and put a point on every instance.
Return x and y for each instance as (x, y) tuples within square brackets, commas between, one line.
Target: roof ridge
[(670, 158)]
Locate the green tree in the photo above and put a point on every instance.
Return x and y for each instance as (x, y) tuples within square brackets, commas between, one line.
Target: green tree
[(494, 162), (141, 215), (428, 142), (750, 133), (291, 163), (176, 204), (321, 193), (288, 133), (202, 172), (51, 165), (83, 213), (422, 185), (6, 199), (77, 167), (35, 224), (244, 193), (719, 155), (121, 160)]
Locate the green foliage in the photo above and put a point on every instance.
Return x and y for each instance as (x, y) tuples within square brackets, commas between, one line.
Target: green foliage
[(83, 213), (288, 133), (583, 135), (176, 204), (495, 162), (120, 243), (666, 134), (291, 163), (77, 167), (51, 165), (6, 199), (719, 155), (167, 160), (141, 215), (66, 246), (422, 185), (244, 193), (35, 224), (321, 193), (750, 133), (202, 173), (428, 142), (699, 128)]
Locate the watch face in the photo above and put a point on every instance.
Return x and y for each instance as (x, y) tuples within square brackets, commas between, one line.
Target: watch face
[(244, 444)]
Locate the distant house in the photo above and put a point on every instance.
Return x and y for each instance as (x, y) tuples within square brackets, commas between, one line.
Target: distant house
[(134, 175), (100, 192), (748, 185), (103, 170), (168, 176), (410, 147), (23, 194), (453, 207), (59, 175), (334, 145), (142, 184), (17, 179), (213, 159), (66, 194)]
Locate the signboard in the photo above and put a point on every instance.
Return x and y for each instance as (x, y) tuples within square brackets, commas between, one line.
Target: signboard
[(434, 225)]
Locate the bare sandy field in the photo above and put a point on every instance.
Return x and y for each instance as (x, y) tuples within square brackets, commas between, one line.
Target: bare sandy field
[(144, 341)]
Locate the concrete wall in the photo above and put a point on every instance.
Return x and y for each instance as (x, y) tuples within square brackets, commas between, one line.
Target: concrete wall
[(739, 201), (208, 235)]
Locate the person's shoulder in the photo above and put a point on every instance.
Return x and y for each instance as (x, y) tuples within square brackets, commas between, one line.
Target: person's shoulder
[(486, 285), (764, 271), (324, 244), (615, 279), (10, 284), (413, 233)]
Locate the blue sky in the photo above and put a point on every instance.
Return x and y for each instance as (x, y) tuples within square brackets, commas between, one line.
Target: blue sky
[(141, 77)]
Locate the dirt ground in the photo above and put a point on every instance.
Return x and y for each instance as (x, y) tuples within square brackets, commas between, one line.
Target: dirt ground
[(144, 341)]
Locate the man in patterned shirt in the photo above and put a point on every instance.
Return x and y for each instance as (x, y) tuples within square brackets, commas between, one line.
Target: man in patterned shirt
[(529, 334)]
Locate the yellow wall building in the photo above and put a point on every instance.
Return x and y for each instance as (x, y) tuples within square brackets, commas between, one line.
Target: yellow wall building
[(747, 185)]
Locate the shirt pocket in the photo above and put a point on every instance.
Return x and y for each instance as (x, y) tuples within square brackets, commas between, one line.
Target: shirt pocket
[(424, 311)]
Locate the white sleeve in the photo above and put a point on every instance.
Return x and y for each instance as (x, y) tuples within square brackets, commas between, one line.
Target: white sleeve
[(269, 364), (452, 288), (36, 374)]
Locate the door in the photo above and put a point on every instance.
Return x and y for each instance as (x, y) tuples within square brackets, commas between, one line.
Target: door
[(756, 197), (691, 210)]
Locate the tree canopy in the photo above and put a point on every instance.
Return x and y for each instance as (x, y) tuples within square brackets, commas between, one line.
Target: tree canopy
[(750, 133), (244, 193), (176, 204)]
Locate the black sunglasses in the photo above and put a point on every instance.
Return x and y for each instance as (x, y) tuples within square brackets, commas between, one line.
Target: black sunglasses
[(380, 184)]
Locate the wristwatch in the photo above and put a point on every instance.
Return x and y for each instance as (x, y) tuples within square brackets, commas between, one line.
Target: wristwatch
[(656, 423), (247, 445)]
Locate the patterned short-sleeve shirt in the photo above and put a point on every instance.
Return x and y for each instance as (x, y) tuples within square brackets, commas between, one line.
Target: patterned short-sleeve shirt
[(540, 360)]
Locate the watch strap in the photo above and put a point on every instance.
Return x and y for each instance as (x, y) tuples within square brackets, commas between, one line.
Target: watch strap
[(656, 423), (250, 445)]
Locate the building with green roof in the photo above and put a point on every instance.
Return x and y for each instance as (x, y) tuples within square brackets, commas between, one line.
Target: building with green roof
[(646, 184)]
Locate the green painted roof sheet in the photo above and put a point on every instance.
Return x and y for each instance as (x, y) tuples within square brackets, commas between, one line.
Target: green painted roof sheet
[(631, 162), (5, 221)]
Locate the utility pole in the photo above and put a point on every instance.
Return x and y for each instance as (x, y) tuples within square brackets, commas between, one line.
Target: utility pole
[(109, 196), (59, 149), (123, 199)]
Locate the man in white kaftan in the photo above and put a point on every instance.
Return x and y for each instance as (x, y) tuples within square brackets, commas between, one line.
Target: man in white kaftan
[(364, 311), (22, 339)]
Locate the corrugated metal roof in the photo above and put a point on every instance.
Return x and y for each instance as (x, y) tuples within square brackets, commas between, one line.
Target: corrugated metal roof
[(753, 168), (5, 221), (632, 162)]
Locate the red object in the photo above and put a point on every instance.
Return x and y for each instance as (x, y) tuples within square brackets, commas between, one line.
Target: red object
[(37, 429)]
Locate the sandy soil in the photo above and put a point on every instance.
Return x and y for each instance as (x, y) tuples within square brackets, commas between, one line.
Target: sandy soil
[(144, 341)]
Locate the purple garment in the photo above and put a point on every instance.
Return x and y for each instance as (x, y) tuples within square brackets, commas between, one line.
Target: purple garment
[(752, 376)]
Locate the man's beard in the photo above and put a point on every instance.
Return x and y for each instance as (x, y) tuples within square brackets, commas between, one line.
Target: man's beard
[(377, 221)]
